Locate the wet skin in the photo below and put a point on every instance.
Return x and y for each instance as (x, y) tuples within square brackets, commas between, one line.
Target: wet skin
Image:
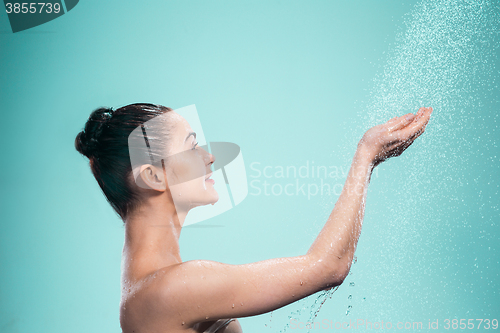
[(161, 293)]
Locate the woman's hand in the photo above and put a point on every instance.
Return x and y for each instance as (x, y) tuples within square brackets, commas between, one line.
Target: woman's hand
[(392, 138)]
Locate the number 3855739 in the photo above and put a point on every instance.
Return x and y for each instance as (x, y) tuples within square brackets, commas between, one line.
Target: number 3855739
[(32, 8)]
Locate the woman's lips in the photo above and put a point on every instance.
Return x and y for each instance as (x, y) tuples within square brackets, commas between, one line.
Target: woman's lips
[(208, 178)]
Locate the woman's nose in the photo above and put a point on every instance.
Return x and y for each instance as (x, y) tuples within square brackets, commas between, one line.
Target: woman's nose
[(209, 157)]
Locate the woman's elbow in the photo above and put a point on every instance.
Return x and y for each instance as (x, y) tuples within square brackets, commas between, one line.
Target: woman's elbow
[(337, 275), (330, 273)]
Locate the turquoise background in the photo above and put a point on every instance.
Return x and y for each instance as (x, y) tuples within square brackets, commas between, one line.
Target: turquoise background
[(286, 81)]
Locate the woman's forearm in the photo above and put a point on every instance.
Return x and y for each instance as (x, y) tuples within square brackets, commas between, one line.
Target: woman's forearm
[(333, 249), (335, 245)]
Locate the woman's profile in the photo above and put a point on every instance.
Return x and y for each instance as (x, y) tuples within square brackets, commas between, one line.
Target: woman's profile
[(160, 292)]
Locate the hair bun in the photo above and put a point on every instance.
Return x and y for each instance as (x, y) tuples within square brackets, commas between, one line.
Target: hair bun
[(87, 141)]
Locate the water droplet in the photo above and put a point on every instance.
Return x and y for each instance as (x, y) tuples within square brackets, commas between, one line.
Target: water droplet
[(233, 306), (350, 297), (348, 310), (351, 284), (183, 323)]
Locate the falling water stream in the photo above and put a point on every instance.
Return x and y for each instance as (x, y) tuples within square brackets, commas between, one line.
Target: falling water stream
[(443, 57)]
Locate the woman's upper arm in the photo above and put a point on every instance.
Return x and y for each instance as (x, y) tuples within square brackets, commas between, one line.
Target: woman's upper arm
[(201, 290)]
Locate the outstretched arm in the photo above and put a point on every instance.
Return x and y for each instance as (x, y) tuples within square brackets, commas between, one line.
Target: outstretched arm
[(337, 240), (198, 290), (336, 243)]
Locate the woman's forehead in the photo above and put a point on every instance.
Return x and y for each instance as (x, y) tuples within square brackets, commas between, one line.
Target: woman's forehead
[(179, 125)]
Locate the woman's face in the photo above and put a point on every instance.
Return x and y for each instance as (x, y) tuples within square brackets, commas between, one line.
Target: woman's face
[(188, 167)]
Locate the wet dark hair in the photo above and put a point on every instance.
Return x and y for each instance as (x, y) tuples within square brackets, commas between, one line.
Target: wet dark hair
[(104, 140)]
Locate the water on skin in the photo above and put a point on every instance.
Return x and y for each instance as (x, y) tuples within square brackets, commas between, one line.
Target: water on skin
[(443, 57)]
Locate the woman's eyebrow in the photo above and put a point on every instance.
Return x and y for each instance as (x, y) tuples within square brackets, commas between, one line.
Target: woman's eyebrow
[(192, 133)]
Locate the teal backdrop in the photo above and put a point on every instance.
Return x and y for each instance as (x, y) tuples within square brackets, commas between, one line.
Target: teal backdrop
[(294, 84)]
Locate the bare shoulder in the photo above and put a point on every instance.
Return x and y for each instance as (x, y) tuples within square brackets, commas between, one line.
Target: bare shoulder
[(145, 304), (153, 303)]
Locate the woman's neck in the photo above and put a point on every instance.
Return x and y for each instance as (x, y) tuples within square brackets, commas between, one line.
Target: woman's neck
[(151, 238)]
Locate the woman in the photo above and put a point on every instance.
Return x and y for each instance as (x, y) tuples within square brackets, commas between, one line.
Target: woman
[(160, 292)]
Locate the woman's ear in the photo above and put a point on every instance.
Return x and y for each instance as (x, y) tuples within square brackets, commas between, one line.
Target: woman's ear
[(152, 177)]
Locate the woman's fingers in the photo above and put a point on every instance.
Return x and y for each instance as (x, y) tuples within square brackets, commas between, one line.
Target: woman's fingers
[(395, 124), (418, 124), (410, 140), (415, 135), (423, 112)]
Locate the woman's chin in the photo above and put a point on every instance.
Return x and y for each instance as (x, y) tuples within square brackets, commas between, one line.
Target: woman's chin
[(215, 198), (211, 201)]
